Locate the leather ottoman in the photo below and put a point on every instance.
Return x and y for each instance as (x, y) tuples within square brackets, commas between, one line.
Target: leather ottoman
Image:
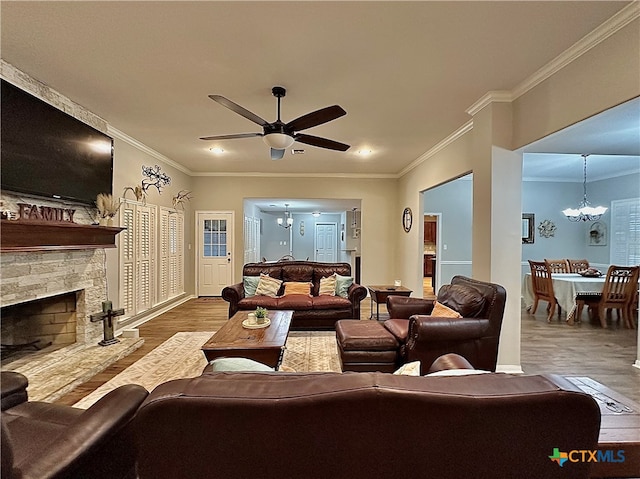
[(366, 346)]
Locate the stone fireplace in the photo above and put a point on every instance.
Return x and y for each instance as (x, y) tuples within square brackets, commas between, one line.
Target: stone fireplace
[(69, 284), (62, 287)]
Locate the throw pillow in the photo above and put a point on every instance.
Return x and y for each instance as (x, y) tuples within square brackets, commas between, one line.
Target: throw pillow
[(328, 286), (268, 286), (250, 284), (342, 285), (409, 369), (238, 364), (442, 311), (294, 287)]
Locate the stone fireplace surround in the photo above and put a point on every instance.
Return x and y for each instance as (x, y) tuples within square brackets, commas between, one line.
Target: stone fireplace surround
[(28, 276)]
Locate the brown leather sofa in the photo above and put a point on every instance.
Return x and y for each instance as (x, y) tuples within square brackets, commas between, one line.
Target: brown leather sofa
[(314, 312), (411, 334), (363, 425), (45, 441)]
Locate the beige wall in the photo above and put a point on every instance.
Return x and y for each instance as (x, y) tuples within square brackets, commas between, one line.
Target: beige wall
[(601, 78), (605, 76), (127, 171), (452, 161), (378, 210)]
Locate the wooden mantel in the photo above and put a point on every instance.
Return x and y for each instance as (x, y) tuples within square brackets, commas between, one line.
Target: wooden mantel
[(18, 236)]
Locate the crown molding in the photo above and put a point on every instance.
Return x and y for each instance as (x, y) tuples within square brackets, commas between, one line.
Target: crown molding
[(145, 149), (361, 176), (618, 21), (151, 152), (468, 126), (497, 96)]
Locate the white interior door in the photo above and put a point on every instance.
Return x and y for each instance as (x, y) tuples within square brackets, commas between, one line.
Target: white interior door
[(214, 258), (326, 242)]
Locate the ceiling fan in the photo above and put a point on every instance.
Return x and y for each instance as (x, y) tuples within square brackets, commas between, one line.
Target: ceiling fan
[(278, 135)]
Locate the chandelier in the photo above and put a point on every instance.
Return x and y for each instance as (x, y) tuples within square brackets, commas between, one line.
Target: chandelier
[(584, 212), (287, 221)]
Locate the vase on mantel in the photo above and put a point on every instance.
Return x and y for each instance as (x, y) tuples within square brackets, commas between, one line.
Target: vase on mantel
[(108, 221)]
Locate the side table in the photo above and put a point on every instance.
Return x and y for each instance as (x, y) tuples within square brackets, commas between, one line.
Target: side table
[(380, 293)]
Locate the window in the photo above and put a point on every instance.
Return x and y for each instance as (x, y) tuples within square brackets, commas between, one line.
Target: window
[(625, 232), (215, 238)]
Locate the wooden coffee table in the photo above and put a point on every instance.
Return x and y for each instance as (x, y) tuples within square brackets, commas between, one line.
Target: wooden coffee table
[(619, 428), (265, 345)]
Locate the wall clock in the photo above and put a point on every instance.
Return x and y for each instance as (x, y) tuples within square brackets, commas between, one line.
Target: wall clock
[(407, 219)]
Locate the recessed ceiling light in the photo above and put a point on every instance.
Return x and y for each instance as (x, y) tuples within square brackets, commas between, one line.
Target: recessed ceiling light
[(364, 152), (216, 150)]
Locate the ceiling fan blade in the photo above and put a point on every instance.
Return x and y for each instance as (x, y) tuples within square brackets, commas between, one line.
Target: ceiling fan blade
[(315, 118), (276, 154), (321, 142), (231, 137), (239, 110)]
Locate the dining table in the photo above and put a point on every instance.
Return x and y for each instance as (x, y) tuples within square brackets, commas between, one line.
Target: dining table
[(565, 288)]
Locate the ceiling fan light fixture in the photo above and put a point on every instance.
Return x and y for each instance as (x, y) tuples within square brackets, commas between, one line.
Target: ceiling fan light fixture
[(278, 141)]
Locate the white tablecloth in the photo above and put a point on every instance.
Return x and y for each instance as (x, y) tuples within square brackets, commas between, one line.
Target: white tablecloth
[(565, 287)]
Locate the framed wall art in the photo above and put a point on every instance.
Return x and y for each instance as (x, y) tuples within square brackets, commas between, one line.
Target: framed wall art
[(528, 220)]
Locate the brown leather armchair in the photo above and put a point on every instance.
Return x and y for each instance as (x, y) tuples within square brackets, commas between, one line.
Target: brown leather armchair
[(475, 336), (44, 441)]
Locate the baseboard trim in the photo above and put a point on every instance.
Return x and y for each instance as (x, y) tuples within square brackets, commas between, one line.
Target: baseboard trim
[(509, 369)]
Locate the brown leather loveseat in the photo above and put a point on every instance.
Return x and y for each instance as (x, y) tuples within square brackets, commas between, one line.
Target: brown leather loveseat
[(310, 312), (364, 425)]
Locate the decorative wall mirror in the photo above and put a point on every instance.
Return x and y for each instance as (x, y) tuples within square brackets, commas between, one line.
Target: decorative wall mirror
[(528, 221)]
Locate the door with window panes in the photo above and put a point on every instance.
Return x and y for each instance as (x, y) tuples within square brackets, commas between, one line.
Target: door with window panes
[(214, 255)]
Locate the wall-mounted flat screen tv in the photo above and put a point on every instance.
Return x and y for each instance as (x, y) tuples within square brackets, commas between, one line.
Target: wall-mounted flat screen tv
[(46, 152)]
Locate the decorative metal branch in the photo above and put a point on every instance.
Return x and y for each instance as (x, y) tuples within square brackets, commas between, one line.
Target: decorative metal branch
[(156, 178), (181, 198)]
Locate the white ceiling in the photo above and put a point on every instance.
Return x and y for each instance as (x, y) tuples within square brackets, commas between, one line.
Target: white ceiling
[(405, 72)]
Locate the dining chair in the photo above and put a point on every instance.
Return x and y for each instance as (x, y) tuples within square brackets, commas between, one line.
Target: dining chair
[(558, 265), (578, 265), (543, 288), (619, 293)]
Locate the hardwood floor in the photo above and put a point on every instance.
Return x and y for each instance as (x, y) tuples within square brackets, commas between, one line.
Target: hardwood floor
[(551, 348)]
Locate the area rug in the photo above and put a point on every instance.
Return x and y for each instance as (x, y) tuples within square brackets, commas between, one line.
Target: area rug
[(180, 357)]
